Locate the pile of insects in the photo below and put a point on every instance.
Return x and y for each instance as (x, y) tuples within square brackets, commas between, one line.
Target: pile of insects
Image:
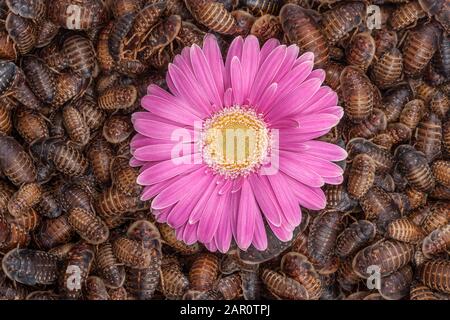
[(72, 225)]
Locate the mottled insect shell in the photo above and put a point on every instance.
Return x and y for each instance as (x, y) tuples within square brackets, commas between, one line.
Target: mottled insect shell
[(385, 40), (396, 285), (204, 272), (15, 162), (26, 197), (77, 14), (90, 227), (118, 294), (53, 232), (30, 125), (190, 34), (283, 287), (357, 94), (394, 100), (405, 15), (244, 21), (441, 60), (7, 47), (96, 289), (145, 20), (415, 167), (22, 31), (35, 9), (346, 277), (388, 255), (174, 282), (441, 172), (76, 270), (75, 125), (361, 50), (46, 31), (6, 192), (80, 55), (333, 74), (212, 15), (30, 267), (122, 97), (5, 120), (436, 242), (100, 154), (142, 283), (322, 237), (388, 69), (420, 292), (111, 271), (339, 21), (404, 230), (416, 198), (73, 195), (28, 220), (300, 269), (122, 7), (230, 286), (40, 78), (435, 274), (439, 216), (124, 177), (361, 176), (428, 137), (132, 253), (302, 30), (68, 86), (266, 27), (169, 237), (49, 206), (261, 7), (117, 129), (113, 203), (419, 47), (369, 127), (440, 104), (354, 237), (412, 113)]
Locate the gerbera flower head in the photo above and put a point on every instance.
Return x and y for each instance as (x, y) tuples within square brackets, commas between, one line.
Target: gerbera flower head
[(230, 150)]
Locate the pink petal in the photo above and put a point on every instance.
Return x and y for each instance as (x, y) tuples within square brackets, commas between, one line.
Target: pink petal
[(294, 78), (318, 73), (197, 212), (224, 234), (259, 236), (237, 81), (334, 180), (307, 56), (165, 170), (135, 163), (309, 197), (151, 191), (235, 50), (160, 130), (169, 110), (292, 167), (267, 98), (316, 122), (288, 63), (325, 150), (190, 233), (324, 97), (228, 98), (248, 209), (320, 166), (281, 232), (266, 199), (159, 152), (211, 216), (267, 48), (214, 57), (293, 135), (250, 62)]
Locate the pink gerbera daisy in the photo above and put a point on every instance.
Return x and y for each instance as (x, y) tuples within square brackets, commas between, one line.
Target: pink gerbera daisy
[(212, 186)]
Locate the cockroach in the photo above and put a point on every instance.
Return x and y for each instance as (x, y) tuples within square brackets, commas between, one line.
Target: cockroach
[(6, 192), (80, 55), (420, 45), (338, 22), (5, 120), (190, 34), (73, 196), (230, 286), (440, 104), (68, 86), (77, 14), (416, 198), (394, 100), (142, 283), (117, 129), (31, 125), (124, 177), (338, 198), (89, 226), (53, 57), (118, 294), (283, 287), (414, 165), (104, 58), (300, 269), (322, 237), (422, 89), (144, 21), (28, 9), (301, 29), (441, 59), (438, 9), (53, 232), (244, 21), (346, 276), (266, 27), (406, 15), (30, 267), (357, 94), (204, 272), (369, 127), (396, 285), (428, 137), (412, 113), (261, 7), (212, 15), (251, 284), (132, 253), (435, 274), (25, 198), (113, 203), (331, 290), (15, 162), (40, 78), (96, 289), (361, 50), (395, 133), (438, 216), (63, 250), (8, 49), (49, 205), (76, 270), (76, 127), (420, 292), (354, 237), (22, 31), (9, 72), (115, 98), (333, 73), (404, 230), (46, 31), (437, 242), (388, 255), (169, 238), (379, 206), (385, 40), (122, 7), (100, 154), (110, 269), (361, 176), (63, 156), (388, 69), (441, 172), (28, 220), (174, 282), (42, 295), (120, 28)]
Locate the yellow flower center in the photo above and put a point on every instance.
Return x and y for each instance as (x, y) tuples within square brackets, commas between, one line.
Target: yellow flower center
[(235, 141)]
